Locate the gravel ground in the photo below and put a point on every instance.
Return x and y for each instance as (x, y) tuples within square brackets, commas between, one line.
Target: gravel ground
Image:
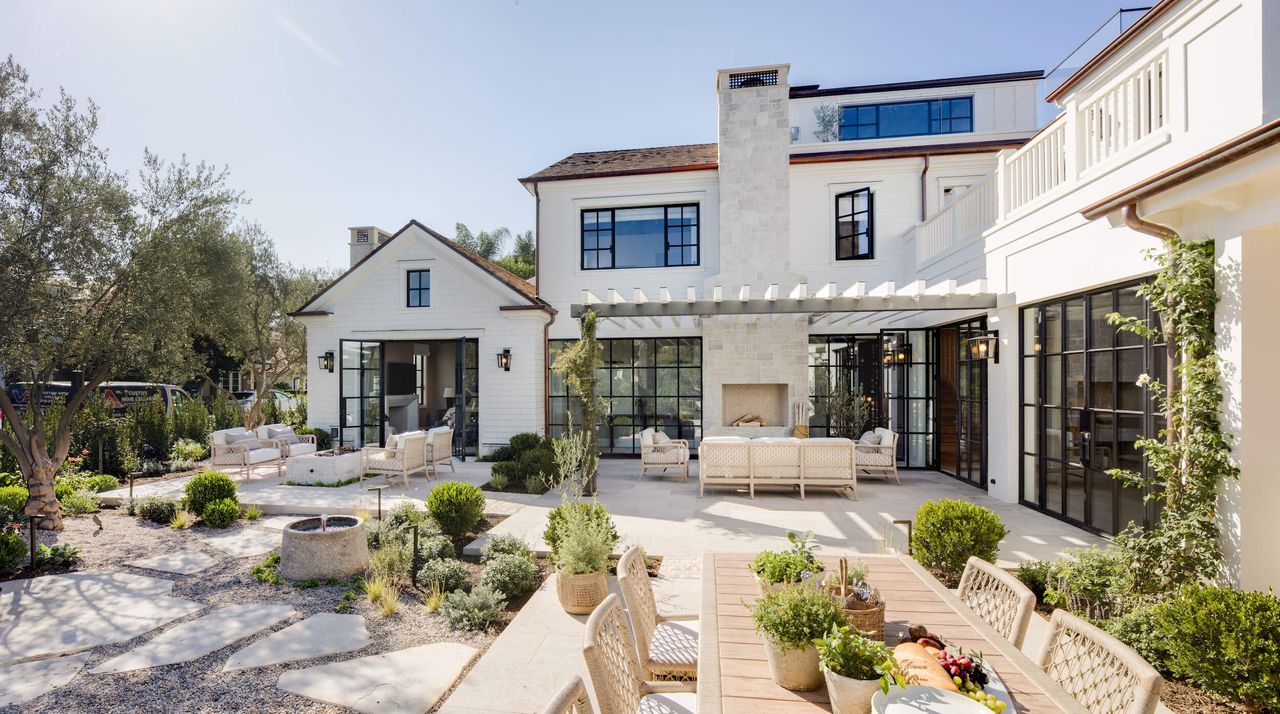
[(199, 685)]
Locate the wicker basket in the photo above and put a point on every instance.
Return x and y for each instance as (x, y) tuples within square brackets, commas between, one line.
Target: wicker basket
[(579, 594), (868, 619)]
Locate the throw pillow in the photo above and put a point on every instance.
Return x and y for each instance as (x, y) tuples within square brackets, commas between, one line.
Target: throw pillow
[(277, 432), (660, 438), (870, 438), (236, 437)]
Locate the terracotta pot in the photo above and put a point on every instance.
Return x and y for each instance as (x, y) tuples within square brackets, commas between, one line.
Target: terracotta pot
[(848, 695), (580, 594), (796, 669)]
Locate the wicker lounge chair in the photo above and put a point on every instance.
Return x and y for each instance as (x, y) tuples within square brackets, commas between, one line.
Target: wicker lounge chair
[(439, 449), (667, 644), (403, 455), (243, 449), (663, 455), (1101, 672), (1000, 599), (616, 674), (879, 458), (571, 699)]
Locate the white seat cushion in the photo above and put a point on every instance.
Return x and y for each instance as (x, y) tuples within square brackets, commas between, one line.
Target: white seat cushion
[(675, 645), (257, 456), (886, 436), (660, 437), (300, 449), (869, 437), (678, 703)]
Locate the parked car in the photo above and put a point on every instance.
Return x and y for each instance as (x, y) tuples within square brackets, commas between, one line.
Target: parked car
[(282, 399), (120, 395)]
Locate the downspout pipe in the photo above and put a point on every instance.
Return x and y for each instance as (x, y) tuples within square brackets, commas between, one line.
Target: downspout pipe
[(923, 202), (546, 327), (1167, 235)]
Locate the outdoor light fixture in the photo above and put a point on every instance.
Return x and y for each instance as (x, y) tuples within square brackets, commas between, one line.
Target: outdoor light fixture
[(326, 361), (984, 347), (896, 354), (504, 359)]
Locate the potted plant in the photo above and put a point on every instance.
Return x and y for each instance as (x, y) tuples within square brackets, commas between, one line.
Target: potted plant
[(582, 558), (789, 620), (855, 667), (774, 569)]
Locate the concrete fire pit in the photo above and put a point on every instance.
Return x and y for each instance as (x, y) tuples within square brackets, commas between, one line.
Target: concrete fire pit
[(336, 548)]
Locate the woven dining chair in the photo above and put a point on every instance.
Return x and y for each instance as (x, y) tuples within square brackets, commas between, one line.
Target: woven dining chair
[(1000, 599), (1101, 672), (667, 644), (571, 699), (616, 674)]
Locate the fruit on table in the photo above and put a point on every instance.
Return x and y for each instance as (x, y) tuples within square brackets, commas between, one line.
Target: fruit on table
[(919, 667)]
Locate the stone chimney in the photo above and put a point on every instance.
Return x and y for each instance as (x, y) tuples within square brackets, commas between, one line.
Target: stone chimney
[(364, 239)]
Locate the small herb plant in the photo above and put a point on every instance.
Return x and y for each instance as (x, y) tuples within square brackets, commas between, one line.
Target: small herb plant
[(788, 566), (849, 654), (268, 571), (794, 617)]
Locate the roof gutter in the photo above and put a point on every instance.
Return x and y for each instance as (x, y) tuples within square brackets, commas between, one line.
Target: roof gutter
[(1141, 225)]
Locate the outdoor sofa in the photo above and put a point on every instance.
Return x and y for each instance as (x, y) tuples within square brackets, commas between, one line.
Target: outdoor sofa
[(735, 461), (242, 449)]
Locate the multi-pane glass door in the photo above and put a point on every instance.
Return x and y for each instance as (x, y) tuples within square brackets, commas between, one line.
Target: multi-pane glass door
[(361, 393), (962, 404), (910, 362), (1082, 408)]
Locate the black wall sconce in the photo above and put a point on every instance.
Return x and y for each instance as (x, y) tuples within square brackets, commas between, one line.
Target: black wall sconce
[(504, 359), (984, 347), (326, 361)]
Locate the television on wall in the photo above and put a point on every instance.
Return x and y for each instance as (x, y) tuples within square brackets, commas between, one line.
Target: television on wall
[(401, 378)]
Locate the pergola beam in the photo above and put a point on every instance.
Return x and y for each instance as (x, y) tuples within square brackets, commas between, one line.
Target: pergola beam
[(890, 302)]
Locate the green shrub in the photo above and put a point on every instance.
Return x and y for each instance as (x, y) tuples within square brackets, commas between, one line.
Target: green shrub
[(948, 531), (436, 547), (221, 513), (150, 425), (585, 544), (478, 610), (1035, 575), (13, 551), (793, 617), (323, 440), (378, 533), (190, 424), (11, 479), (558, 516), (539, 463), (535, 485), (206, 488), (502, 453), (520, 443), (1225, 641), (1139, 628), (79, 502), (1092, 582), (227, 412), (456, 507), (503, 473), (13, 498), (99, 483), (405, 515), (156, 509), (63, 555), (394, 562), (187, 450), (449, 573), (510, 575), (505, 545)]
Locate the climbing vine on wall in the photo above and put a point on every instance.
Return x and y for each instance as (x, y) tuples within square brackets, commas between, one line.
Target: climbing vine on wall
[(1191, 456)]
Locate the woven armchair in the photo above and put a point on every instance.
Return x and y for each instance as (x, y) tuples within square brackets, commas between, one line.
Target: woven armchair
[(879, 458), (243, 449), (1000, 599), (571, 699), (439, 449), (1101, 672), (667, 644), (403, 455), (616, 674), (672, 453)]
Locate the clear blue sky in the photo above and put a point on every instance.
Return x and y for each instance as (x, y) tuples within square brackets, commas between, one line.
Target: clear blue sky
[(333, 114)]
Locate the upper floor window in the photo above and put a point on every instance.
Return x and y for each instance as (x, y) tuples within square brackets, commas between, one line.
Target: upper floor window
[(855, 239), (642, 237), (929, 116), (419, 290)]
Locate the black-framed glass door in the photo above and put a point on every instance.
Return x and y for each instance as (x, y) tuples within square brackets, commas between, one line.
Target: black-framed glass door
[(962, 404), (1083, 410), (910, 364), (466, 433), (361, 397)]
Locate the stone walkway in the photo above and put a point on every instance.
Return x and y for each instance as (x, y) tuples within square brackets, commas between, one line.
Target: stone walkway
[(320, 635), (28, 680), (184, 562), (409, 680), (197, 638)]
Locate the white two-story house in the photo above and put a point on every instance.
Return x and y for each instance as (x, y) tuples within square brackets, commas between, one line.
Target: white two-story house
[(927, 246)]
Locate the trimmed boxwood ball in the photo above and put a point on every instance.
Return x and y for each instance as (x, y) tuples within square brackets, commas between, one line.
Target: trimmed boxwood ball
[(156, 509), (221, 513), (511, 575), (948, 531), (206, 488), (449, 573), (456, 507), (539, 462), (520, 443)]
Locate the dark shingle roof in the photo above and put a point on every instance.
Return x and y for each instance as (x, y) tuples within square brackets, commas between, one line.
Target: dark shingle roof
[(624, 162)]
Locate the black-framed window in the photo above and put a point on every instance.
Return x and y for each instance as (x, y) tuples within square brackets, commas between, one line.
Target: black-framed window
[(917, 118), (418, 290), (855, 236), (640, 237), (646, 383)]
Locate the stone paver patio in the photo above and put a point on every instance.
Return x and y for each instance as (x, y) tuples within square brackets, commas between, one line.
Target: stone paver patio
[(197, 638), (408, 681), (28, 680), (320, 635), (185, 562)]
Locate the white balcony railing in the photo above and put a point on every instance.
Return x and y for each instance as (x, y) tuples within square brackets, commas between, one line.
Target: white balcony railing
[(1078, 140)]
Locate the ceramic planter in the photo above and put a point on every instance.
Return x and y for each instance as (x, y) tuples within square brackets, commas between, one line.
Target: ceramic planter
[(764, 588), (848, 695), (796, 669), (579, 594)]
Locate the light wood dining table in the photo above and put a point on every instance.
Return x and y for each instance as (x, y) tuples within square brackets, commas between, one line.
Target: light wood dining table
[(733, 674)]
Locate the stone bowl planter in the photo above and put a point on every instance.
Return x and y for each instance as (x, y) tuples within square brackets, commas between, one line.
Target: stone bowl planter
[(848, 695), (336, 550), (764, 588), (796, 669), (580, 594)]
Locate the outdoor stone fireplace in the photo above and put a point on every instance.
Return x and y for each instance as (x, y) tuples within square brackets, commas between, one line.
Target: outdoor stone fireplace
[(754, 405), (761, 368)]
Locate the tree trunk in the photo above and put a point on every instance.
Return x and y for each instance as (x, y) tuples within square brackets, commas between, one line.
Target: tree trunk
[(42, 500)]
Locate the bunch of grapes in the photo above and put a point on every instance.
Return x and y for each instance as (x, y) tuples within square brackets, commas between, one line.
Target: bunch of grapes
[(968, 675)]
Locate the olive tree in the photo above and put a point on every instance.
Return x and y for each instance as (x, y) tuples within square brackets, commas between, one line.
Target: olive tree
[(99, 276)]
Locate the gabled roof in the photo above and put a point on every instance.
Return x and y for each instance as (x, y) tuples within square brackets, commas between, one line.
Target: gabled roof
[(626, 162), (519, 285)]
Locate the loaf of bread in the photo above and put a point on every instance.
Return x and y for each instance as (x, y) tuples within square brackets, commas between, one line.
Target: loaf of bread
[(920, 667)]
